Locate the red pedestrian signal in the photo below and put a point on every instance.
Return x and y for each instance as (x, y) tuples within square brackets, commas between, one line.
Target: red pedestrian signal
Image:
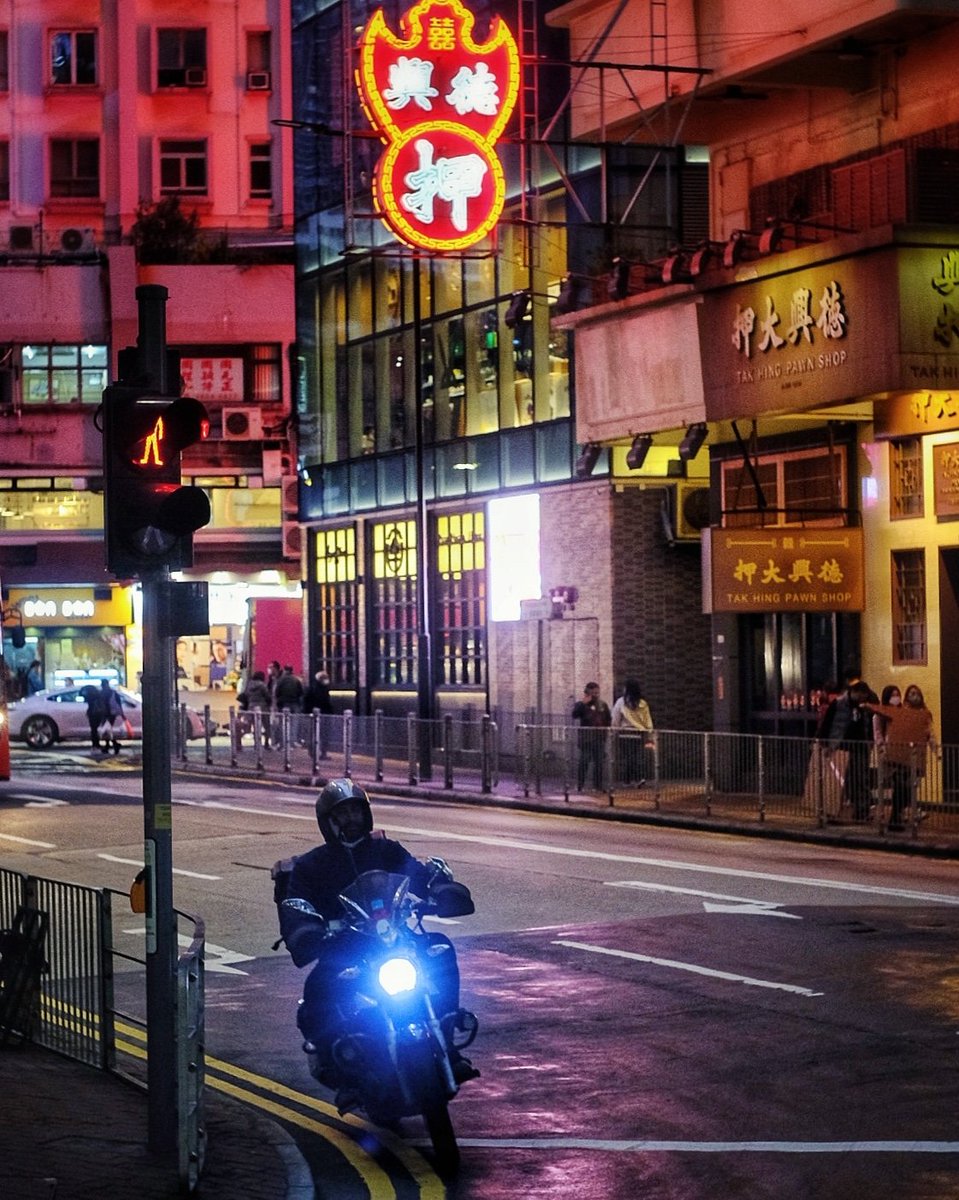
[(150, 515)]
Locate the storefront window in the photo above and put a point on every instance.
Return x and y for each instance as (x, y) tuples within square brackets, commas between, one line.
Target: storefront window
[(461, 599), (906, 498), (806, 487), (394, 629), (336, 605), (909, 607)]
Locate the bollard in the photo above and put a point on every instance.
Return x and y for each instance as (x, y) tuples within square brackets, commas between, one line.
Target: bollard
[(378, 745), (206, 735), (761, 777), (411, 746), (315, 735), (522, 736), (236, 735), (285, 737), (184, 726), (258, 736), (348, 743), (486, 755), (448, 751)]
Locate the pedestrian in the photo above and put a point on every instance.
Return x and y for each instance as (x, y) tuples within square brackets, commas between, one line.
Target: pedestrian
[(892, 772), (317, 697), (34, 679), (593, 716), (256, 697), (288, 692), (847, 729), (631, 715), (105, 715)]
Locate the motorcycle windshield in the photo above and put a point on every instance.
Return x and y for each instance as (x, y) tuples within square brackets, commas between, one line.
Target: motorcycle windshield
[(376, 895)]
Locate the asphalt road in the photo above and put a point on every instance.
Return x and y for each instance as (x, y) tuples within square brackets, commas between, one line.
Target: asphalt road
[(663, 1013)]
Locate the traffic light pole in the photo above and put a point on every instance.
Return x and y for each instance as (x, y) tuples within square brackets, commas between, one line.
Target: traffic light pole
[(161, 956), (157, 691)]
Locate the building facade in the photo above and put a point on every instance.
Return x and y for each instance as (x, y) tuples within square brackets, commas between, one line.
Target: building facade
[(137, 146), (810, 342), (446, 495)]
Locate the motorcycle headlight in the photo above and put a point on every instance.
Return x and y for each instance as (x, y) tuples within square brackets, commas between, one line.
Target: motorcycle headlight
[(397, 975)]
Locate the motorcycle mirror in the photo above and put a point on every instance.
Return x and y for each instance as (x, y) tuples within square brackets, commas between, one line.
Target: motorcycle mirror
[(441, 867), (302, 906)]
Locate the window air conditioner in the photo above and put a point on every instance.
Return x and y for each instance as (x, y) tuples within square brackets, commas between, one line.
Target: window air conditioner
[(258, 81), (195, 77), (290, 486), (20, 237), (77, 241), (242, 424), (292, 540), (692, 511)]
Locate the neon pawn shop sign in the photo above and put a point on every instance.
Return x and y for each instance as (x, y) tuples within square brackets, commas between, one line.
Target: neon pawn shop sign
[(439, 100)]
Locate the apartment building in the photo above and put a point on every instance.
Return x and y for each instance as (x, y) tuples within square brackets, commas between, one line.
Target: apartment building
[(138, 146)]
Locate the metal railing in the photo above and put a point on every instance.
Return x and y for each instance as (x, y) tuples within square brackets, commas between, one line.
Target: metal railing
[(732, 776), (78, 1015)]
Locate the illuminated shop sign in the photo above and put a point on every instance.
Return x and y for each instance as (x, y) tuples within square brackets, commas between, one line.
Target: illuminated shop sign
[(72, 606), (778, 570), (439, 101), (810, 324)]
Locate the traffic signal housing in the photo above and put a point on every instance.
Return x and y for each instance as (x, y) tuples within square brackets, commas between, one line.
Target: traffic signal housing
[(150, 515)]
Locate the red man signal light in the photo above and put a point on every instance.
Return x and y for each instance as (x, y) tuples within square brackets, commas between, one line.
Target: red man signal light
[(150, 515)]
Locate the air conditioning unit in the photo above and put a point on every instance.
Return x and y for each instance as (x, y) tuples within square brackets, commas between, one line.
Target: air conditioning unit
[(290, 488), (77, 241), (293, 540), (194, 77), (242, 424), (20, 238), (691, 514), (258, 81)]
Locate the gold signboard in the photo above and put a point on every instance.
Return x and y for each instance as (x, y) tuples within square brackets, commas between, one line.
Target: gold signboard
[(783, 570), (72, 606), (945, 470)]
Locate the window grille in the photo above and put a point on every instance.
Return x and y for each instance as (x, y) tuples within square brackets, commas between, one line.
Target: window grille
[(909, 607), (906, 495), (393, 605), (336, 604), (461, 600)]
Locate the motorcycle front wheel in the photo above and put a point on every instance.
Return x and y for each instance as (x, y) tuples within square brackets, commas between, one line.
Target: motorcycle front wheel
[(440, 1128), (433, 1103)]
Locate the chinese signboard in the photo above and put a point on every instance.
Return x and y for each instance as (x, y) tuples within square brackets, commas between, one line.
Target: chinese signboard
[(440, 101), (780, 570), (945, 470), (212, 378)]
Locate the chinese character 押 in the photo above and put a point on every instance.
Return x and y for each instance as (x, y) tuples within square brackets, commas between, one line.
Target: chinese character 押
[(454, 180)]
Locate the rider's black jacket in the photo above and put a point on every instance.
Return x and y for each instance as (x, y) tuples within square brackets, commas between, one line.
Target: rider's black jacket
[(322, 873)]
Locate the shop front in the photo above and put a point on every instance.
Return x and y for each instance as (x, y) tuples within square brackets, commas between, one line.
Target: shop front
[(74, 633)]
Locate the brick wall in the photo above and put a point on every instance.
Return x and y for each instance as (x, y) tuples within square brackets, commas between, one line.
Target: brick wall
[(660, 634)]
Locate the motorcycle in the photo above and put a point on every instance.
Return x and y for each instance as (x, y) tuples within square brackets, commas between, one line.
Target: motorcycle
[(392, 1056)]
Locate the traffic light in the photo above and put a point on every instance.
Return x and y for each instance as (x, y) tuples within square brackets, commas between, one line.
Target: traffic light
[(150, 516)]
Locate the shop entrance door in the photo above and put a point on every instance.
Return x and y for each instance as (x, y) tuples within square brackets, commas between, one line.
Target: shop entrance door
[(948, 640)]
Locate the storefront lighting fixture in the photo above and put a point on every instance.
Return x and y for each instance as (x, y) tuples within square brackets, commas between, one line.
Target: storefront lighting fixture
[(636, 455), (690, 446), (771, 238), (465, 466), (734, 248), (617, 285), (675, 268), (587, 460)]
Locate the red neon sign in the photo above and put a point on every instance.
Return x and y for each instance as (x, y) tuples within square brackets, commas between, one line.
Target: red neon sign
[(439, 100)]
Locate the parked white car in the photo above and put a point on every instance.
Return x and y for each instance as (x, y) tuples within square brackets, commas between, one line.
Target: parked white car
[(60, 715)]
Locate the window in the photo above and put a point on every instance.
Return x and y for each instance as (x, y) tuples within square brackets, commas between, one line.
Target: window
[(73, 56), (806, 487), (906, 497), (181, 58), (4, 170), (261, 171), (258, 77), (4, 60), (183, 166), (908, 607), (461, 599), (393, 605), (336, 604), (54, 374), (74, 167), (266, 372)]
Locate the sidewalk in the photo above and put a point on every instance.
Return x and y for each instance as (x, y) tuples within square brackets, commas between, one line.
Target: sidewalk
[(71, 1132)]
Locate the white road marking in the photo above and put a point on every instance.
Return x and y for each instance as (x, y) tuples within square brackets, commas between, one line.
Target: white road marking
[(215, 958), (730, 904), (650, 1147), (673, 965), (436, 835), (138, 862), (9, 837), (31, 801)]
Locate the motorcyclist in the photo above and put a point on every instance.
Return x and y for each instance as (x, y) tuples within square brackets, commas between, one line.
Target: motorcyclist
[(350, 848)]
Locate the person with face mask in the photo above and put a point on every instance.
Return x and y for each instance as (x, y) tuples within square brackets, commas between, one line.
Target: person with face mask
[(905, 726), (350, 848)]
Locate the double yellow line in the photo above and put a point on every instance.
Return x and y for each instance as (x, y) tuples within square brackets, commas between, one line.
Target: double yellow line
[(316, 1117)]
